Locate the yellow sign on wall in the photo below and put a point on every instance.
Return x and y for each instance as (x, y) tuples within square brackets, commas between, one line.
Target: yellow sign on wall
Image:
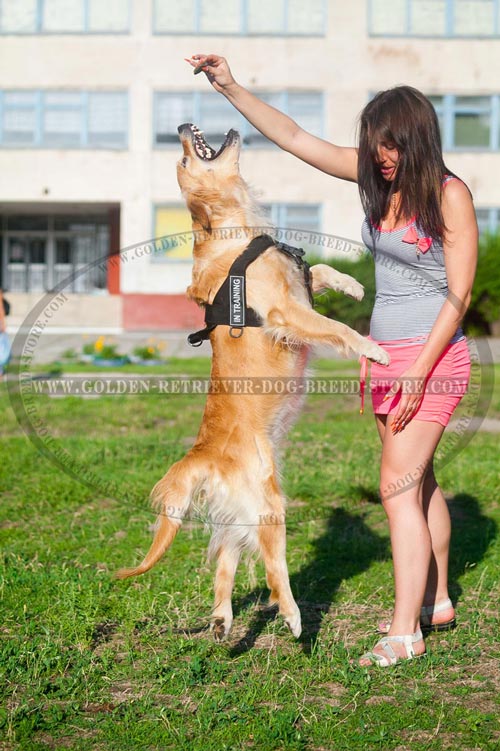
[(173, 233)]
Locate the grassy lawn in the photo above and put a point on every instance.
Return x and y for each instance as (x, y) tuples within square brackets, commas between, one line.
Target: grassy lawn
[(91, 663)]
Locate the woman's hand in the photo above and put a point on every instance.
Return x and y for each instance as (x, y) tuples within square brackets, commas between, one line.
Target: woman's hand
[(411, 383), (216, 70)]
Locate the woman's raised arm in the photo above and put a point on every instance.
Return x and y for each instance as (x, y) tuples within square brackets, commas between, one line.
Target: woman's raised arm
[(339, 161)]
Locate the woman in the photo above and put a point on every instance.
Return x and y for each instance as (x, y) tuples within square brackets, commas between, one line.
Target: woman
[(421, 228)]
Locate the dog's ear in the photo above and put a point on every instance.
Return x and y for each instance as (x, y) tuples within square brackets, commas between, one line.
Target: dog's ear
[(200, 213)]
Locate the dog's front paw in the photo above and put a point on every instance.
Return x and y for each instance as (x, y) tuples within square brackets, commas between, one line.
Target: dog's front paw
[(353, 288), (294, 623), (373, 352)]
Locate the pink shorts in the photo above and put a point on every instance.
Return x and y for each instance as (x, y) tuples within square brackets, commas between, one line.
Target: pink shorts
[(445, 386)]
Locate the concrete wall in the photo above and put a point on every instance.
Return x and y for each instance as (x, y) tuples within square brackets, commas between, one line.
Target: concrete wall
[(100, 314)]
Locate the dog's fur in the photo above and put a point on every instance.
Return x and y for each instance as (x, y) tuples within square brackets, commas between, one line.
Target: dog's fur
[(232, 467)]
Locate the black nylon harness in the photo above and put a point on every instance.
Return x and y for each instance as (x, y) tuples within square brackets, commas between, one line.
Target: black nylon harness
[(229, 306)]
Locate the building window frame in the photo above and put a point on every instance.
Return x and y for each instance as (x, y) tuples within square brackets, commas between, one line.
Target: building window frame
[(279, 210), (243, 25), (449, 32), (450, 107), (39, 30), (40, 107), (249, 137)]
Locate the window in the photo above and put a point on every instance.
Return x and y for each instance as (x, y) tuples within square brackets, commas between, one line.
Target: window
[(20, 119), (472, 121), (476, 17), (468, 123), (304, 217), (64, 16), (249, 17), (19, 16), (488, 220), (63, 119), (107, 120), (295, 216), (434, 18), (428, 17), (215, 116)]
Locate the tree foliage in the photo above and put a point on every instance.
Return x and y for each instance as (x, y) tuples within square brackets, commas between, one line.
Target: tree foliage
[(484, 308)]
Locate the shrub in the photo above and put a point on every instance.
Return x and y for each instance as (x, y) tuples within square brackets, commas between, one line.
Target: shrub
[(150, 351), (484, 308)]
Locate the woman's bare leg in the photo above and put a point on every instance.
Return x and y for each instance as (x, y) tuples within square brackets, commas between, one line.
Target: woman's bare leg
[(406, 457), (439, 523)]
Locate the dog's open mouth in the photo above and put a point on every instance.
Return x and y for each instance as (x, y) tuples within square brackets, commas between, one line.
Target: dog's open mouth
[(201, 147)]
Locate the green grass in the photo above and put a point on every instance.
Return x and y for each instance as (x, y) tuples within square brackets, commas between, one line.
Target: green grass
[(91, 663)]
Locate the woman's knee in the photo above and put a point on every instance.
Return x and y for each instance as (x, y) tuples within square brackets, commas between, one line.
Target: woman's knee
[(396, 484), (400, 475)]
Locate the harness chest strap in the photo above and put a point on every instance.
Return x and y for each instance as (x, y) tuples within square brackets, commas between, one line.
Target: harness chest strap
[(229, 306)]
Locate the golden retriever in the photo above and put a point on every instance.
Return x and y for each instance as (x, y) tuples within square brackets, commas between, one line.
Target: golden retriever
[(232, 466)]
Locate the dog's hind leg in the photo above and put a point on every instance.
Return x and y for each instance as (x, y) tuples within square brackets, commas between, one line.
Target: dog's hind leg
[(222, 615), (172, 496), (272, 543)]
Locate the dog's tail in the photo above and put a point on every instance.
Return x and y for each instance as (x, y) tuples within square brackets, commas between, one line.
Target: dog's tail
[(172, 496)]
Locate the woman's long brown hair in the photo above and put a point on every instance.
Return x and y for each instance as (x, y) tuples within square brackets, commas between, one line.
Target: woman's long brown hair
[(404, 118)]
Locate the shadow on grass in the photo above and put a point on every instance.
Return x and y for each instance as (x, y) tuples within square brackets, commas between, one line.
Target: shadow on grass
[(346, 548), (471, 535)]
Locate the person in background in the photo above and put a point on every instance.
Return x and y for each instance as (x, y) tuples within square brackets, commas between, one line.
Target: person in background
[(3, 332), (421, 228)]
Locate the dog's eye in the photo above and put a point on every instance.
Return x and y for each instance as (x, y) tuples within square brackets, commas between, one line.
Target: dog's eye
[(184, 161)]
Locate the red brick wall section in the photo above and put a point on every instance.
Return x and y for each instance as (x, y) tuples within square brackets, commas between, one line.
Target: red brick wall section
[(114, 250), (160, 313)]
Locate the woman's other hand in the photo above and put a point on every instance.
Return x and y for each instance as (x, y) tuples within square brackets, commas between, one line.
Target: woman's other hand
[(412, 386)]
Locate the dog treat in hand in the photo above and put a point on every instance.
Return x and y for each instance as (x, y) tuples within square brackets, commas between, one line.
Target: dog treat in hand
[(200, 67)]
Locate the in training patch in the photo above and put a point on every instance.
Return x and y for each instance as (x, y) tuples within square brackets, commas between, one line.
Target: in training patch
[(237, 301)]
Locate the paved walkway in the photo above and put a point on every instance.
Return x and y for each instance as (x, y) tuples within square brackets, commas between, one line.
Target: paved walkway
[(50, 346)]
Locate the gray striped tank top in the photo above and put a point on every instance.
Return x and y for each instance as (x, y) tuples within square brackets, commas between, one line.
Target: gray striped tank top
[(410, 282)]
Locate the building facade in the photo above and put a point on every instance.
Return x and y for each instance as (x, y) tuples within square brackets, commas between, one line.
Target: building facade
[(92, 92)]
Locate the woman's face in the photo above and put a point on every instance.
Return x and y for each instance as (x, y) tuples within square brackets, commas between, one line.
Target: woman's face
[(387, 160)]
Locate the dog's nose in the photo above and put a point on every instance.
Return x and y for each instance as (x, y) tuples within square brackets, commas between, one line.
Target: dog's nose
[(183, 127)]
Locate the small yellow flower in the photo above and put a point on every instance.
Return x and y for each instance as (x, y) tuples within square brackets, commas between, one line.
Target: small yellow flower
[(99, 344)]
